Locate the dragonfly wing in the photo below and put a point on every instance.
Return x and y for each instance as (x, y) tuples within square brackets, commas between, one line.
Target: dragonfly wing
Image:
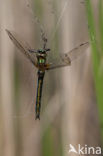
[(23, 47), (68, 57), (76, 52)]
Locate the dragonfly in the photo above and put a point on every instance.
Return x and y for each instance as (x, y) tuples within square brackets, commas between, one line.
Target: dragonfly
[(39, 59)]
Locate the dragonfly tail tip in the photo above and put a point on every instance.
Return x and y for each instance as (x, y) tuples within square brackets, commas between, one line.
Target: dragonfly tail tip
[(37, 117)]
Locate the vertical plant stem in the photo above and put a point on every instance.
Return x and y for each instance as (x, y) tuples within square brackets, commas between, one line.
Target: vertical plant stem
[(98, 76)]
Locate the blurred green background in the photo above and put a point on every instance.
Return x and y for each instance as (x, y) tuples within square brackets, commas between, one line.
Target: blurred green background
[(71, 111)]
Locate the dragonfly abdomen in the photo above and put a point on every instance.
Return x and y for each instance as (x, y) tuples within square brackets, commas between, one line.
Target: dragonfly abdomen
[(39, 93)]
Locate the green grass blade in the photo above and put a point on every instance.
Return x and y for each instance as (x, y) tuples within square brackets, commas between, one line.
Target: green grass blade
[(96, 55)]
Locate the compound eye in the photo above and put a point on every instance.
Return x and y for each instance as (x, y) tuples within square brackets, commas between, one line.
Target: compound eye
[(39, 50)]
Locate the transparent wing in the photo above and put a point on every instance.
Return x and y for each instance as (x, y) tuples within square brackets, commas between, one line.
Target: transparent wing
[(23, 47), (68, 57)]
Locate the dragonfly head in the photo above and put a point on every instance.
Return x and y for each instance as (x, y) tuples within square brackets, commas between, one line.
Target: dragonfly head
[(43, 51)]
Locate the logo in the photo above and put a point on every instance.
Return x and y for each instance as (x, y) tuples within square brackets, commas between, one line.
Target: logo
[(85, 150)]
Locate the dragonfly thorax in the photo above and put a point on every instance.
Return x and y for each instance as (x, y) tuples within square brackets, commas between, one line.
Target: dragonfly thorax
[(41, 58)]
